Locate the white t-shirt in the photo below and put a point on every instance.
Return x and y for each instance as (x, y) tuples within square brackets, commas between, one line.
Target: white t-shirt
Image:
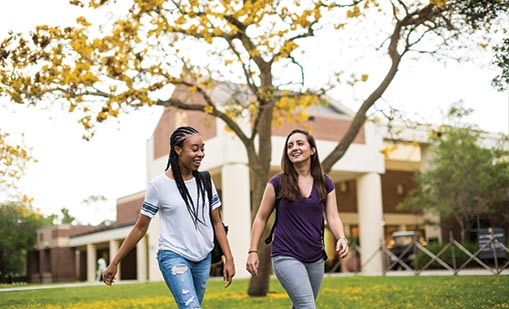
[(101, 264), (178, 231)]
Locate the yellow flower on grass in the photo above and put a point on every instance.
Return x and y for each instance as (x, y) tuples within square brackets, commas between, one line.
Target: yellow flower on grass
[(152, 302)]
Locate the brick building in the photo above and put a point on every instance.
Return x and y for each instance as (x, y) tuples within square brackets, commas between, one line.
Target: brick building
[(368, 184), (53, 260)]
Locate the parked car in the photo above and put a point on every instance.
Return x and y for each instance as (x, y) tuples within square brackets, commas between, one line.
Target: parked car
[(402, 245)]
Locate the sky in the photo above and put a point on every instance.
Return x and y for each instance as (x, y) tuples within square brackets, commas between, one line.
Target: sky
[(112, 164), (69, 169)]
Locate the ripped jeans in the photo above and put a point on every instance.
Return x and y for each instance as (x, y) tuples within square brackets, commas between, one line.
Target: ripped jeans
[(187, 280)]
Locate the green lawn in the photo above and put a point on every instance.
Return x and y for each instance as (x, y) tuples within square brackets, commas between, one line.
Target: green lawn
[(337, 292)]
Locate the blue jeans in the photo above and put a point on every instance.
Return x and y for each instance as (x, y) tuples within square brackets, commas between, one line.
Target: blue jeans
[(187, 280), (301, 281)]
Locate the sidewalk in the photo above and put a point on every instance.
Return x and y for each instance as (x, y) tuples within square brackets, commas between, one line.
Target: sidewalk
[(61, 285), (465, 272), (435, 272), (444, 272)]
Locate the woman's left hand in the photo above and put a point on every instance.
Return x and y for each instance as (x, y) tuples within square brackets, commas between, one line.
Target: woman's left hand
[(342, 247), (228, 272)]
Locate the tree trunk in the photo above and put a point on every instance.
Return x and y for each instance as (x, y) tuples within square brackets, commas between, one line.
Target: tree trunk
[(259, 286), (462, 228)]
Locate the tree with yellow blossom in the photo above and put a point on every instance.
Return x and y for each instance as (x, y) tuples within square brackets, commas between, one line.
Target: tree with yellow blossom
[(14, 159)]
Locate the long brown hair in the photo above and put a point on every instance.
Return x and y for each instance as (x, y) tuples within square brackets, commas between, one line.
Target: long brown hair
[(288, 185)]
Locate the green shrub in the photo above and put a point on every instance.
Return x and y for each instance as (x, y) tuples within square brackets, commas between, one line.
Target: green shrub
[(453, 256)]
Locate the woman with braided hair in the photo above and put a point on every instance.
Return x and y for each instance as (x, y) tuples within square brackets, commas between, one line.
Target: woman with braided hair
[(186, 238)]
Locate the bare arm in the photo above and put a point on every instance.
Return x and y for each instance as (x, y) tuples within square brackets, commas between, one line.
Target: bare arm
[(336, 224), (137, 232), (266, 208), (229, 265)]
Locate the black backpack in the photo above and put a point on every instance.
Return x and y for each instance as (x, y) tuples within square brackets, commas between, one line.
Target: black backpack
[(217, 253)]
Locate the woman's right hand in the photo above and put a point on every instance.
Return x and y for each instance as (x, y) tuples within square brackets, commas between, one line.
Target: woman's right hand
[(109, 274), (252, 263)]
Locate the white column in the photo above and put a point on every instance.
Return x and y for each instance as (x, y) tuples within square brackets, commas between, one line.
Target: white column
[(141, 259), (426, 157), (91, 263), (370, 208), (237, 212), (113, 251), (77, 263)]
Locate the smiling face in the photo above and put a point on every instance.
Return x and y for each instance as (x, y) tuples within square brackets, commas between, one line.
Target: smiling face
[(191, 153), (298, 148)]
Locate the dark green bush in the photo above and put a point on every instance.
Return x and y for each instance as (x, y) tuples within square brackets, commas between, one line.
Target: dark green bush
[(450, 256)]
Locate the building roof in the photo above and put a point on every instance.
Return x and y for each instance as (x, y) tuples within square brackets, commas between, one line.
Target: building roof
[(227, 91)]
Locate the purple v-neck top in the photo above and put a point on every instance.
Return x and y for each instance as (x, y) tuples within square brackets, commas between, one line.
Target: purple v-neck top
[(298, 232)]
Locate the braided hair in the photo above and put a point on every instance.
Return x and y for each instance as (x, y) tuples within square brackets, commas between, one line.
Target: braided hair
[(178, 139)]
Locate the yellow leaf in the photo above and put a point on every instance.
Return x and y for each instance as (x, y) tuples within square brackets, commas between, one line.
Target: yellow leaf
[(217, 31), (354, 12), (208, 109)]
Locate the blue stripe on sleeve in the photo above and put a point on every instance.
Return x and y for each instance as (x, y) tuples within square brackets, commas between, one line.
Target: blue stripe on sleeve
[(215, 199), (151, 209)]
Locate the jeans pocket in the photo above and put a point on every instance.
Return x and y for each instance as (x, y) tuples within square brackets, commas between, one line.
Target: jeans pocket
[(166, 259)]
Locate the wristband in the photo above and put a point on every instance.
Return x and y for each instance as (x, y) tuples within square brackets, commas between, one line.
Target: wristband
[(252, 251)]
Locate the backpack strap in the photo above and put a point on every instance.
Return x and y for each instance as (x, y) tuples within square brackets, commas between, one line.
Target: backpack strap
[(207, 182), (269, 238)]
